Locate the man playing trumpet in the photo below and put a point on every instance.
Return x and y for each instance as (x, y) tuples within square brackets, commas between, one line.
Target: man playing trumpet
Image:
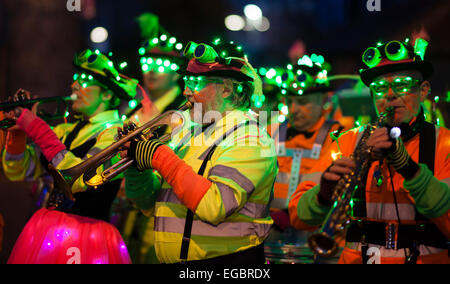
[(210, 196), (72, 229)]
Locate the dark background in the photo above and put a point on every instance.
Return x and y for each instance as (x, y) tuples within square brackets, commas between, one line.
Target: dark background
[(38, 39)]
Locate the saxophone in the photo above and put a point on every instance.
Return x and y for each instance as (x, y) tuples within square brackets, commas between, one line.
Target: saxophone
[(323, 242)]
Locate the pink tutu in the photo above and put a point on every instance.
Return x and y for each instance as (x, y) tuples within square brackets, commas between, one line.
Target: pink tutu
[(54, 237)]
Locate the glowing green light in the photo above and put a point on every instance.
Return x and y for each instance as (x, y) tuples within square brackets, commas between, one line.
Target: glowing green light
[(179, 46), (83, 76), (124, 117), (97, 51), (280, 106), (149, 61), (143, 60), (262, 71), (281, 118), (161, 69), (118, 78), (84, 85), (166, 63), (110, 54), (108, 125), (66, 114), (75, 77), (271, 73), (132, 104), (239, 48), (283, 92), (300, 92), (172, 40), (163, 37), (299, 72), (155, 40), (258, 104), (159, 61), (123, 65), (90, 77), (217, 41), (278, 80), (285, 110), (436, 99), (141, 51), (289, 67), (110, 64), (145, 68), (173, 67)]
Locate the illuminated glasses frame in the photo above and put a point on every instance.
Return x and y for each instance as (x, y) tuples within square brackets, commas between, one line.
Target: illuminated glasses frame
[(193, 82), (381, 87)]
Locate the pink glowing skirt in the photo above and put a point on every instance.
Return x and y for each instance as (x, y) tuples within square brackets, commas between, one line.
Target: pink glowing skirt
[(54, 237)]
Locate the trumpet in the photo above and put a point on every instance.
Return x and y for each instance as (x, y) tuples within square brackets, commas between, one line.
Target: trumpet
[(65, 179), (7, 123)]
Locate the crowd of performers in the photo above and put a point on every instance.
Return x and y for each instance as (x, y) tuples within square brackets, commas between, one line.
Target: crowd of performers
[(226, 188)]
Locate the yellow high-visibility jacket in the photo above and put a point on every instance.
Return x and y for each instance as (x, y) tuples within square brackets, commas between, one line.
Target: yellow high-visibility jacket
[(101, 130), (233, 214)]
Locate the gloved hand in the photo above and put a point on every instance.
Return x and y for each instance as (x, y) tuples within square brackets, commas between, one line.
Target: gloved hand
[(280, 219), (16, 138), (338, 169), (140, 151), (399, 158)]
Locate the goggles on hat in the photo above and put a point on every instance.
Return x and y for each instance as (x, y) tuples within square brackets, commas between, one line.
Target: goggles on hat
[(394, 51), (400, 86), (205, 53)]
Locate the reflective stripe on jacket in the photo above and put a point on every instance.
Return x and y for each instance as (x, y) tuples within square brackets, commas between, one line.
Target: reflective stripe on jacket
[(296, 157)]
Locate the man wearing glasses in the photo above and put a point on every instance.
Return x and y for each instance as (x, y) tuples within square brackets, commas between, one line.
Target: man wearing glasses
[(210, 196), (402, 213)]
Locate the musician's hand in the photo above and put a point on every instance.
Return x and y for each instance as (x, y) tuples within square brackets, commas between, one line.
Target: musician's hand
[(338, 169), (14, 114), (379, 143)]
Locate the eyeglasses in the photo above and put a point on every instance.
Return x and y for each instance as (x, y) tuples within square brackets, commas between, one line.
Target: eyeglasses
[(393, 50), (399, 86), (199, 83)]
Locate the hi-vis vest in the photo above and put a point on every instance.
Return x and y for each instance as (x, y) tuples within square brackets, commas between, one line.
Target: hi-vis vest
[(301, 159)]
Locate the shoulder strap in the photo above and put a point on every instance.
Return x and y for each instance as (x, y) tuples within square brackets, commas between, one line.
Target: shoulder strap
[(427, 151), (323, 132), (190, 215)]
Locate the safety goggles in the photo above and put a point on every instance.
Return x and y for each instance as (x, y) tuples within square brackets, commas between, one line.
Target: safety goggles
[(199, 83), (393, 50), (400, 86), (158, 65)]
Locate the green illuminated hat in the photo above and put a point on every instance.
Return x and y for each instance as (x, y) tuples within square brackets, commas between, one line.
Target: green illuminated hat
[(220, 59), (99, 67), (158, 44), (308, 76), (395, 56)]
